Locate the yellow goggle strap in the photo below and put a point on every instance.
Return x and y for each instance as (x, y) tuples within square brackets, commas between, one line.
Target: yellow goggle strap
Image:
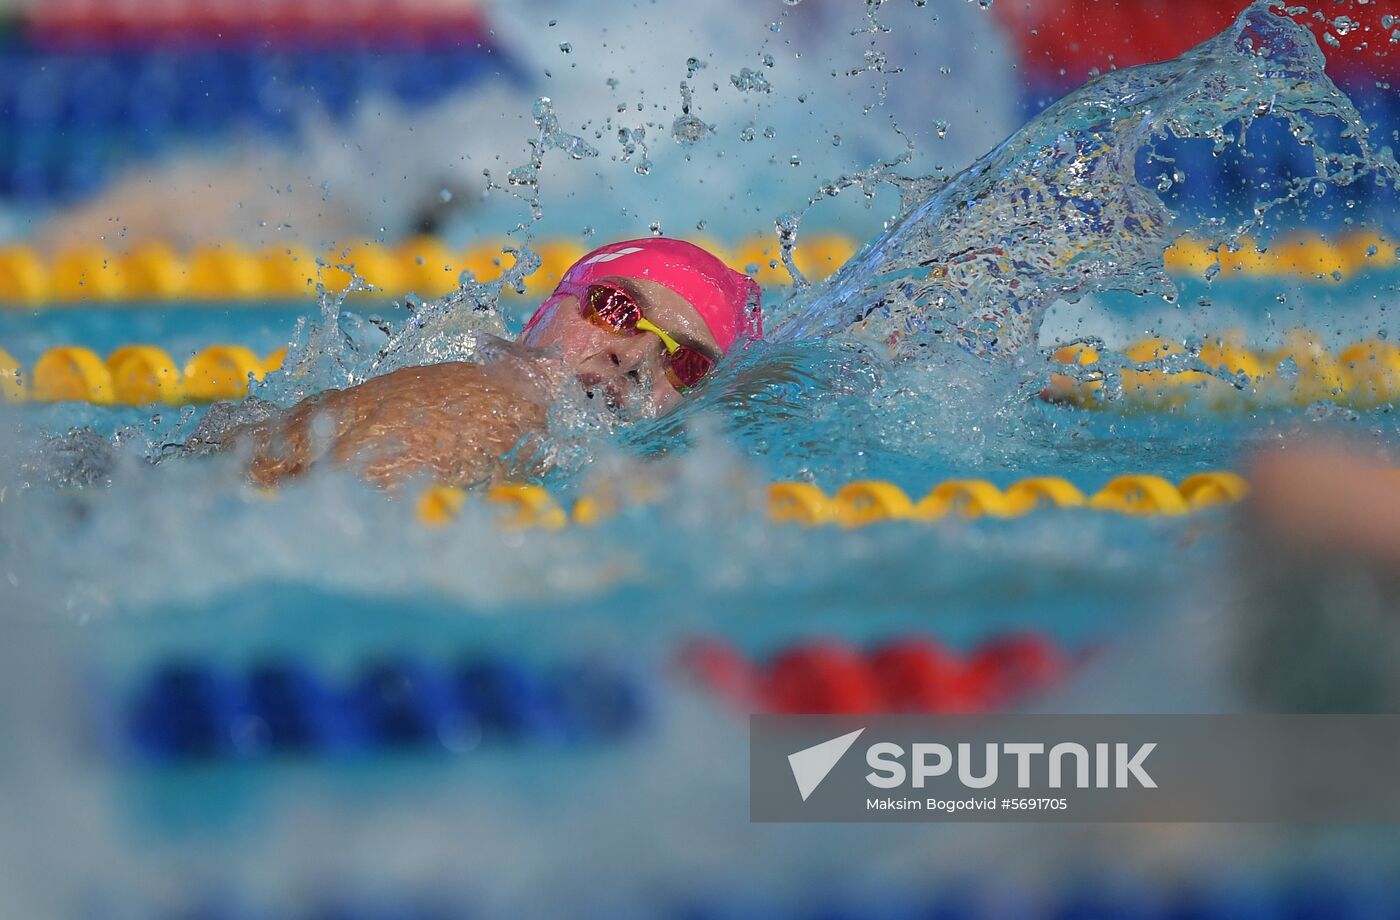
[(646, 325)]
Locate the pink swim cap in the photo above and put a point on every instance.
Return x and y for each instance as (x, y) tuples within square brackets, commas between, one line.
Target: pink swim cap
[(728, 301)]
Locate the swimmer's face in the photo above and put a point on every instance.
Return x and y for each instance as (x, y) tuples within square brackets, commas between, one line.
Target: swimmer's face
[(624, 370)]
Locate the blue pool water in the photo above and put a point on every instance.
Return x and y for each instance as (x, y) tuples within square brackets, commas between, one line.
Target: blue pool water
[(180, 563)]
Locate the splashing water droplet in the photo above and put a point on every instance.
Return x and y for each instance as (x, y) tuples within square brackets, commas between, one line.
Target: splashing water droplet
[(787, 226), (748, 80), (689, 129), (632, 141)]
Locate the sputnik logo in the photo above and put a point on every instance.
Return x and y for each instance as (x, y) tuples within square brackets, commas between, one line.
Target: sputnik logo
[(811, 765)]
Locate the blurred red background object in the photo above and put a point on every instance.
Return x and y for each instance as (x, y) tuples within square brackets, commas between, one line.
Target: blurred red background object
[(1064, 42)]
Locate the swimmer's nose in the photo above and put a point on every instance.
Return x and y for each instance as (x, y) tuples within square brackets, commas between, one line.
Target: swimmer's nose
[(623, 356)]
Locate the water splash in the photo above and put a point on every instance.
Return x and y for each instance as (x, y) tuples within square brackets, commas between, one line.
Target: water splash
[(748, 80), (1057, 211), (688, 128), (633, 142), (343, 348), (868, 180)]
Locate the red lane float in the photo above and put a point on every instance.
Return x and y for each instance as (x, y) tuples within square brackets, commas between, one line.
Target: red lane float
[(906, 675), (270, 24)]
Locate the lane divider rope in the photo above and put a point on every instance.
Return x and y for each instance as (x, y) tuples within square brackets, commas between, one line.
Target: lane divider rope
[(187, 710), (1304, 256), (907, 674), (1365, 374), (429, 267), (1300, 373), (862, 503), (426, 266), (134, 375)]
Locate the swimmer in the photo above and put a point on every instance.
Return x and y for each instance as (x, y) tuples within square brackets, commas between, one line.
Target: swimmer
[(636, 325)]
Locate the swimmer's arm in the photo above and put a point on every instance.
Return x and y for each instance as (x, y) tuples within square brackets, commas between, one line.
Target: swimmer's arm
[(454, 423)]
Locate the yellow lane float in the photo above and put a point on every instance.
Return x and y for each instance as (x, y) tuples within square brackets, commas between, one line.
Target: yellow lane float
[(142, 375), (1302, 372), (428, 266), (13, 386), (874, 501), (25, 278), (221, 372), (71, 374)]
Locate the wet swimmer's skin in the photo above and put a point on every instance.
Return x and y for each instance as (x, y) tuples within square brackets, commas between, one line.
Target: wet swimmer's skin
[(1316, 606), (635, 324), (1326, 499)]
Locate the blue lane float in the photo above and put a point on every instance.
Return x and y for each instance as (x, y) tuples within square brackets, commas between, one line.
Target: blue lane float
[(128, 105), (192, 711)]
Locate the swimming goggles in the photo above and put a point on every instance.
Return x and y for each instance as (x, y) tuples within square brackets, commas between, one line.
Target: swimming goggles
[(615, 310)]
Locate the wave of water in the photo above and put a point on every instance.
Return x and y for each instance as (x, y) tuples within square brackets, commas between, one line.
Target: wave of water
[(965, 274), (1058, 211)]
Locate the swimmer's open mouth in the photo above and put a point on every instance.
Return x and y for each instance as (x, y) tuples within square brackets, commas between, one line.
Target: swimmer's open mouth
[(610, 398), (594, 387)]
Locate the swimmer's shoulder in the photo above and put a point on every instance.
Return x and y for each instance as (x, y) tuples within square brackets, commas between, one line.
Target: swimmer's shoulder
[(524, 372)]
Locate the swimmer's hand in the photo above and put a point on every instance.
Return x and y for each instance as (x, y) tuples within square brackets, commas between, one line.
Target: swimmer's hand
[(1324, 498)]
